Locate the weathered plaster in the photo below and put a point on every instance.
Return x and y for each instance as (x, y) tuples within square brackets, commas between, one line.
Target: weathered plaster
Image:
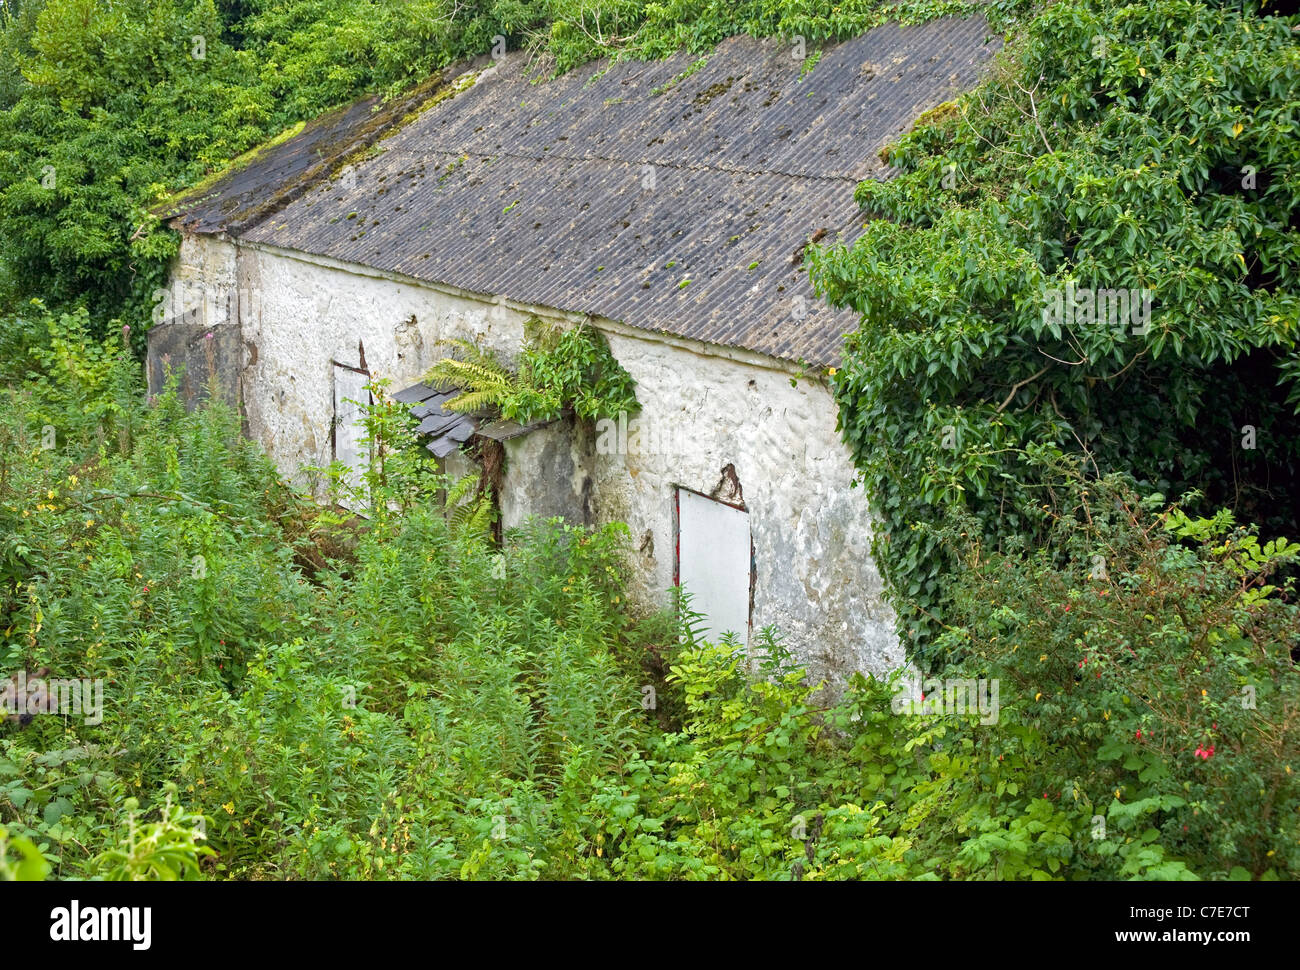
[(812, 532), (547, 476), (703, 409), (301, 317)]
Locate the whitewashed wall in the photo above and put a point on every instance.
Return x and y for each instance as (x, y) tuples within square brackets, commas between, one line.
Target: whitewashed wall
[(300, 316), (703, 409), (812, 532)]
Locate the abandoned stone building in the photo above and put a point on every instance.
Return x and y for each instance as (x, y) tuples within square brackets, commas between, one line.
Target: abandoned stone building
[(666, 204)]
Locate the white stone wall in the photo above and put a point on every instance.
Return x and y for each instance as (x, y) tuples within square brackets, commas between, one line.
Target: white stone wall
[(702, 410), (204, 279), (299, 317), (812, 533)]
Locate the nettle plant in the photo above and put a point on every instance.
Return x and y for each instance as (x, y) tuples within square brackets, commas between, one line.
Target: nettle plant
[(1092, 254)]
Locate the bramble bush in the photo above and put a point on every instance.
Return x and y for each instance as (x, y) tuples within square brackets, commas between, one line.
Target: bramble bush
[(1147, 726), (1148, 656)]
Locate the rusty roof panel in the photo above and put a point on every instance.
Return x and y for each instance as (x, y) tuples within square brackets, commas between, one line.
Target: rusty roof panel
[(677, 204)]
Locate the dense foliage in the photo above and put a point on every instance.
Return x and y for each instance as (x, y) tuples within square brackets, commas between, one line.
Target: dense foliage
[(291, 693), (1148, 148), (559, 370), (304, 682), (108, 106)]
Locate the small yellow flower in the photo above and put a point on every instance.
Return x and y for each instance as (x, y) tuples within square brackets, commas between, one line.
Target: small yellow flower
[(89, 523), (1038, 695)]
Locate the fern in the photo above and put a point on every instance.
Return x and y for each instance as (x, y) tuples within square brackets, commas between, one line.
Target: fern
[(558, 370), (462, 489), (485, 382)]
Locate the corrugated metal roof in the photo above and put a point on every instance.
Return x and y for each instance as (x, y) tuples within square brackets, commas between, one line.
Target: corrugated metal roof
[(672, 203)]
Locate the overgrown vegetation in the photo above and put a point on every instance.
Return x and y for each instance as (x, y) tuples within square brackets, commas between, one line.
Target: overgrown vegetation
[(289, 693), (326, 714), (1146, 148), (559, 370)]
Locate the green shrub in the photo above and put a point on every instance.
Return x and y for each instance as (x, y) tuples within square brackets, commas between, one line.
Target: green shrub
[(165, 850), (20, 861), (1150, 655), (1147, 147), (558, 370)]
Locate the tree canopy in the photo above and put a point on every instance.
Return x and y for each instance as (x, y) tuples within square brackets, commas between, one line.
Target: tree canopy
[(1137, 157)]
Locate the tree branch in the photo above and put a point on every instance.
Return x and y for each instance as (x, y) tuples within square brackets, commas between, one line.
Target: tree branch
[(1012, 393)]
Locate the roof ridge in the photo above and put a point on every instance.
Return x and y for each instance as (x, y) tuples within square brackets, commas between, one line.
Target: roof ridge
[(699, 167), (710, 251)]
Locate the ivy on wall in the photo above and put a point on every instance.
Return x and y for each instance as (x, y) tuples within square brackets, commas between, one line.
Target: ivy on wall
[(1094, 254)]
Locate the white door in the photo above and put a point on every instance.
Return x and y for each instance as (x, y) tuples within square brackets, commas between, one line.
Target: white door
[(349, 446), (714, 563)]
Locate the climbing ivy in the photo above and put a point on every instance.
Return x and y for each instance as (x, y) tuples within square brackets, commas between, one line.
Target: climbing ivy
[(1150, 149)]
